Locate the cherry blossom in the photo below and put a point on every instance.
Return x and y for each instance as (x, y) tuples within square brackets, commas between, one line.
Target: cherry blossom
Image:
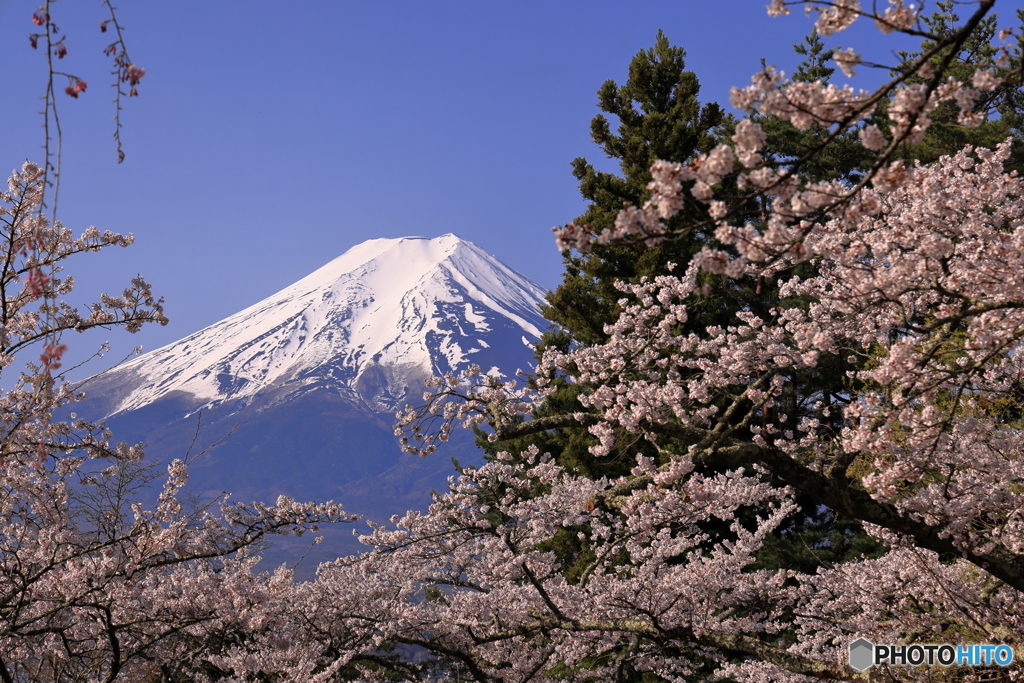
[(76, 87), (804, 104), (133, 74), (847, 59)]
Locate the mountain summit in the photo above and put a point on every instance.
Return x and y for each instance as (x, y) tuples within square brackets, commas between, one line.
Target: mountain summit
[(302, 387), (370, 325)]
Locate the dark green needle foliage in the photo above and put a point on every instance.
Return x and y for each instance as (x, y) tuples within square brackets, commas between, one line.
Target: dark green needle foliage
[(656, 114), (659, 117)]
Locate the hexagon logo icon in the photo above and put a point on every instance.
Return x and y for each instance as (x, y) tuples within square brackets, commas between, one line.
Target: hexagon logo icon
[(862, 654)]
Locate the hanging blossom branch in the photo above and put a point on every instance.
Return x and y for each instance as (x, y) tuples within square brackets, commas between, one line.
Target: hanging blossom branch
[(53, 139), (56, 48), (124, 72)]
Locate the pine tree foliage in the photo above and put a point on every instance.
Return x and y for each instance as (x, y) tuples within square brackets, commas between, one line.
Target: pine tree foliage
[(660, 117)]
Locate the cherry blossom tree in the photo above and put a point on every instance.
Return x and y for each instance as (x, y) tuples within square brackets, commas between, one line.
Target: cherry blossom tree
[(93, 586), (915, 279)]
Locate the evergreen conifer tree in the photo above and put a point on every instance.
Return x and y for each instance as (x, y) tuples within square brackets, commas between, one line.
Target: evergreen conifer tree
[(660, 117)]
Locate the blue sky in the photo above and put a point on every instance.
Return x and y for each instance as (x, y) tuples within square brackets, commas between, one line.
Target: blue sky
[(270, 137)]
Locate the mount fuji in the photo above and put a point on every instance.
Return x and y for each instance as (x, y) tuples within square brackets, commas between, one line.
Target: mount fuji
[(302, 387)]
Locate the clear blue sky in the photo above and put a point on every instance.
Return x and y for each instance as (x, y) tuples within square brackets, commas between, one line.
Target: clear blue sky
[(269, 137)]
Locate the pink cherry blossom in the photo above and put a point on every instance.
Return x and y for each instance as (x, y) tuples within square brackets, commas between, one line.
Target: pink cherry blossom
[(133, 74)]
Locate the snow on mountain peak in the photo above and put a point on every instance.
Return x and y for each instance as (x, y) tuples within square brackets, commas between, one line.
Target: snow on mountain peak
[(371, 324)]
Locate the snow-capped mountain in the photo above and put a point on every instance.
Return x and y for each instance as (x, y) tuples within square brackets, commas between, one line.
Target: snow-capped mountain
[(304, 384), (371, 325)]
